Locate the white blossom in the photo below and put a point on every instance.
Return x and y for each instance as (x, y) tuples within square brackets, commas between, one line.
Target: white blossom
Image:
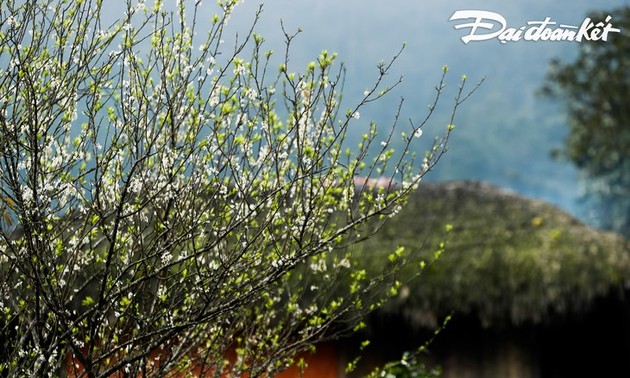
[(319, 265), (344, 263), (425, 164)]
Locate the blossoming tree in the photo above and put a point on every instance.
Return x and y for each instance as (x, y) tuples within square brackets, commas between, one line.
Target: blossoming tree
[(168, 202)]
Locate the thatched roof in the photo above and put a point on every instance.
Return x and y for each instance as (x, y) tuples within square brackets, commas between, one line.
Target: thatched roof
[(507, 260)]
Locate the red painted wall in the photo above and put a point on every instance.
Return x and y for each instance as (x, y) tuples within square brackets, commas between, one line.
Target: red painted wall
[(324, 363)]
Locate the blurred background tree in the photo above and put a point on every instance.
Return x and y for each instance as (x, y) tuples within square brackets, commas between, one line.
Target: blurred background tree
[(595, 88)]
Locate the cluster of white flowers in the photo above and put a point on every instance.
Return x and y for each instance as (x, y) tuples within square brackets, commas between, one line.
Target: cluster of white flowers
[(425, 164), (214, 99), (319, 265), (27, 195), (166, 258), (251, 94), (305, 91), (344, 263), (12, 22), (240, 68)]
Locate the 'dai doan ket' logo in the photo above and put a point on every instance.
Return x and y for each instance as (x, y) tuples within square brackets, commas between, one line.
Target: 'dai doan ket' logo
[(496, 27)]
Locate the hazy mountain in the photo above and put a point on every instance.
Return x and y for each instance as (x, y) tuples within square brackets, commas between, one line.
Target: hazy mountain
[(504, 133)]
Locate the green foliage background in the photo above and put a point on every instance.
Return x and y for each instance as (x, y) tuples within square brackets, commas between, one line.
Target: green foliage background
[(506, 259)]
